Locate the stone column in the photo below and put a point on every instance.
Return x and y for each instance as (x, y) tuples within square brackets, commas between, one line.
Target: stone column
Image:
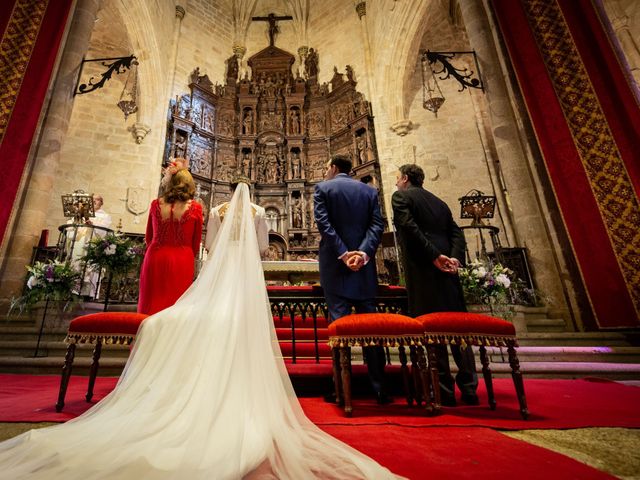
[(37, 195), (361, 9), (530, 228)]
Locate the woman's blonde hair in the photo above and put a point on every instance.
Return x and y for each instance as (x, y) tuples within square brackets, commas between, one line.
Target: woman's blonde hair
[(181, 187)]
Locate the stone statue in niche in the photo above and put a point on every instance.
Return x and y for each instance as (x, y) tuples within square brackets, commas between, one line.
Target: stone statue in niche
[(361, 149), (247, 123), (311, 63), (271, 168), (207, 119), (180, 145), (245, 166), (296, 165), (297, 212), (294, 121)]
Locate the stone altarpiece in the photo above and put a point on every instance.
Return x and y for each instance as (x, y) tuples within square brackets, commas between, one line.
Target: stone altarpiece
[(278, 129)]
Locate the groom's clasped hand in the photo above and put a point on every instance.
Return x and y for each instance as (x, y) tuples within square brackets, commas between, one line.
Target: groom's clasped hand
[(355, 260)]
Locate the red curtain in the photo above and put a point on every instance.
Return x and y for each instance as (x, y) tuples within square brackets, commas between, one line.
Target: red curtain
[(31, 34), (587, 123)]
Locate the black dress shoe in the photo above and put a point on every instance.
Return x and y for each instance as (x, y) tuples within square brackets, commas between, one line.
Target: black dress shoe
[(448, 401), (383, 398), (470, 399), (330, 397)]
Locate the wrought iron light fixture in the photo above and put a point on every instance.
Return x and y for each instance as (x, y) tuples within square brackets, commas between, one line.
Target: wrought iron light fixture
[(432, 97), (118, 65), (475, 204)]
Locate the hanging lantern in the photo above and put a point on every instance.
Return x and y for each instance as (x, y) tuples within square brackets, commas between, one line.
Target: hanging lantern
[(432, 97), (129, 93)]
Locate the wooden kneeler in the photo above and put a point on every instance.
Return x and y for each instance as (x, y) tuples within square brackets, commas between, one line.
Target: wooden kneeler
[(96, 329), (466, 329), (387, 330)]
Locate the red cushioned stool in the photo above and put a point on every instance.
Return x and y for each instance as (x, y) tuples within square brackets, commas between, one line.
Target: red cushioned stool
[(98, 328), (464, 329), (369, 329)]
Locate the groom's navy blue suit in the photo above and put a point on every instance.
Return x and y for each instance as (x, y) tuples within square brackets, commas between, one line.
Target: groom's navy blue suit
[(348, 217)]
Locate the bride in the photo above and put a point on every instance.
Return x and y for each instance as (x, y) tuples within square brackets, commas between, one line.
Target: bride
[(205, 393)]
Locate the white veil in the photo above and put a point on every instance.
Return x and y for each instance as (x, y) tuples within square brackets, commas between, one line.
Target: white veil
[(205, 393)]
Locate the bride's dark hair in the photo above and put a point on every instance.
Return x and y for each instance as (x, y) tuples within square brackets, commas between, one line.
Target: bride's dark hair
[(180, 188)]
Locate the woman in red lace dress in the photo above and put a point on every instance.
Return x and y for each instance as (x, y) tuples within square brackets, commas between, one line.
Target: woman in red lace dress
[(174, 232)]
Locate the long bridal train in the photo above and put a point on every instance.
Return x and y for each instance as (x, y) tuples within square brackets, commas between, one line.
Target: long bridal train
[(205, 393)]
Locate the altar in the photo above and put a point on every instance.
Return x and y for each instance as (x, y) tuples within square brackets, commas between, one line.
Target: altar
[(294, 271)]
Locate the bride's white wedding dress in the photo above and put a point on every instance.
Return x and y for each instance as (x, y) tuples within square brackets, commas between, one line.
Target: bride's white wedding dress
[(205, 393)]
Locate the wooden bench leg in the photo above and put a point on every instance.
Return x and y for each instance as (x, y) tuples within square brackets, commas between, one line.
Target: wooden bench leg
[(335, 357), (95, 363), (404, 370), (416, 377), (345, 367), (516, 374), (435, 378), (488, 378), (430, 404), (66, 375)]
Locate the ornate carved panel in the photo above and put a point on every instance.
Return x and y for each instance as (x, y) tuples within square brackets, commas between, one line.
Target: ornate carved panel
[(278, 129)]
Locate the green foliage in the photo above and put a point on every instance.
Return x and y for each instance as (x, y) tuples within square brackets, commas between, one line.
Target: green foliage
[(54, 281), (494, 285), (116, 253)]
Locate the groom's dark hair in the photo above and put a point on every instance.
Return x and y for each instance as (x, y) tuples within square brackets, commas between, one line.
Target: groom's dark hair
[(342, 163), (414, 173)]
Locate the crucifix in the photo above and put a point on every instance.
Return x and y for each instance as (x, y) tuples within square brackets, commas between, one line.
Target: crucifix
[(273, 28)]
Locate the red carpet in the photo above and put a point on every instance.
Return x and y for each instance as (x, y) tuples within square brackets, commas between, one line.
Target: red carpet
[(398, 437), (460, 453), (552, 403)]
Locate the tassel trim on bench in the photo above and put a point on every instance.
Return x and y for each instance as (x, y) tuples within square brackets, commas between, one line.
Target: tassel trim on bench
[(471, 339), (368, 341), (106, 339)]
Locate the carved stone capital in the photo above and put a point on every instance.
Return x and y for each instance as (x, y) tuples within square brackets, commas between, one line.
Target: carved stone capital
[(180, 11), (239, 51), (139, 130), (402, 127), (361, 8)]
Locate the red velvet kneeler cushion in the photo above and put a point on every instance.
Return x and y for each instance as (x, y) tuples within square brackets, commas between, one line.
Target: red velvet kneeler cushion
[(110, 327), (387, 329), (465, 327)]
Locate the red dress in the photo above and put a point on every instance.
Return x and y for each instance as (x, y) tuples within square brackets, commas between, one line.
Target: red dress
[(168, 266)]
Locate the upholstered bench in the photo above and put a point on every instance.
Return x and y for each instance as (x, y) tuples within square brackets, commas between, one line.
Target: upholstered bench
[(96, 329), (464, 329), (370, 329)]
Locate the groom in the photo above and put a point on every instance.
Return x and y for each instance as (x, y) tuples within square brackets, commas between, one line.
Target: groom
[(348, 217)]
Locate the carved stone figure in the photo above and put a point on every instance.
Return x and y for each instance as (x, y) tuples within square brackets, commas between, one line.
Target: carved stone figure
[(294, 121), (297, 213), (247, 123), (316, 123), (296, 165), (232, 67), (311, 64), (180, 150), (271, 168), (361, 149), (245, 168), (349, 73)]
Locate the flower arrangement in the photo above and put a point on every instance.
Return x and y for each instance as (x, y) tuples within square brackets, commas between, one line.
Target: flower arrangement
[(492, 284), (116, 253), (54, 281)]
